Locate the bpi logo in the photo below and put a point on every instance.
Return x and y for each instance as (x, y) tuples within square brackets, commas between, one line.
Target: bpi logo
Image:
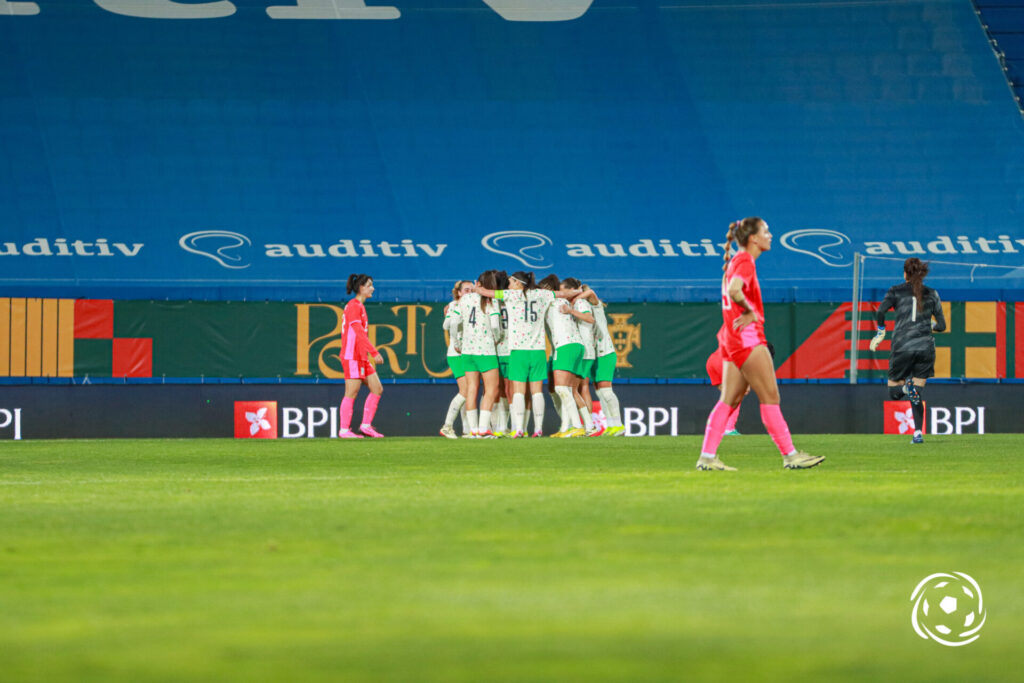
[(957, 420), (255, 419), (11, 418)]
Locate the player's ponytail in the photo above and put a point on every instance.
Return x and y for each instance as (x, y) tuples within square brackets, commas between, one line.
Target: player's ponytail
[(915, 269), (355, 281), (729, 237), (488, 280)]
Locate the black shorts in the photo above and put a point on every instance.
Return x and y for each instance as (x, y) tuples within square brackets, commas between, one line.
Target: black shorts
[(906, 364)]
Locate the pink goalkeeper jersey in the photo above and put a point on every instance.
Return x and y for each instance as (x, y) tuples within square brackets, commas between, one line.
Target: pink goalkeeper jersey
[(355, 342)]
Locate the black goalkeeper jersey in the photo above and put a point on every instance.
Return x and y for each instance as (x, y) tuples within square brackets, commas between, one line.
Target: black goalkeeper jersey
[(913, 321)]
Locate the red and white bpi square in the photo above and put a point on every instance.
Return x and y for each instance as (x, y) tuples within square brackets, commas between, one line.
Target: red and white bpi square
[(899, 418), (255, 419)]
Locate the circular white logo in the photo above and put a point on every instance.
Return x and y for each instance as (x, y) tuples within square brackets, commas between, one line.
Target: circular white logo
[(948, 609), (219, 245), (522, 245), (831, 247)]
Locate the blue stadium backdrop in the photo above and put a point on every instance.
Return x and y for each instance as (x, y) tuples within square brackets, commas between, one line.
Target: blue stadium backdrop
[(246, 149)]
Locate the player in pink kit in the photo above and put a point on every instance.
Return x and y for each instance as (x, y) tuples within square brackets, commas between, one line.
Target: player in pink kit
[(356, 354), (714, 370), (746, 361)]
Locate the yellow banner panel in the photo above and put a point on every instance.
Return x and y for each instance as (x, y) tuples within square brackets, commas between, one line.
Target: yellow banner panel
[(980, 361), (5, 337), (979, 316), (49, 362), (66, 338), (17, 337), (943, 357), (33, 337)]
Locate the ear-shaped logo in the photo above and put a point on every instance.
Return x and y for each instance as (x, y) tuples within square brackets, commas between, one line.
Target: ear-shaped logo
[(218, 245), (519, 244), (828, 246), (540, 10)]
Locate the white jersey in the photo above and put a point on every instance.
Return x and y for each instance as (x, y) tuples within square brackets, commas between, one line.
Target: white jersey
[(526, 310), (502, 346), (562, 326), (448, 317), (586, 329), (603, 340), (475, 327)]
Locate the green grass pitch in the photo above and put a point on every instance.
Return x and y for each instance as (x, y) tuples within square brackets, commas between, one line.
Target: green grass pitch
[(534, 560)]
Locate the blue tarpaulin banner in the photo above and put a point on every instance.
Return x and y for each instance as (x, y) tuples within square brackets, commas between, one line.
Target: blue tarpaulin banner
[(243, 149)]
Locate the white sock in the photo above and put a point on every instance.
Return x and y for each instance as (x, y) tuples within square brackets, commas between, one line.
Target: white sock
[(518, 412), (465, 420), (565, 399), (474, 425), (610, 403), (503, 415), (588, 422), (538, 412), (485, 421), (454, 408)]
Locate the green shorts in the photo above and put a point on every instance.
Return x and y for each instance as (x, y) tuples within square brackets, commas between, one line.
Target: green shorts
[(455, 363), (527, 366), (586, 367), (503, 365), (472, 363), (569, 358), (604, 368)]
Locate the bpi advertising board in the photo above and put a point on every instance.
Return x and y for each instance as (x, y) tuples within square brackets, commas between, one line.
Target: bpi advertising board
[(265, 149), (275, 411)]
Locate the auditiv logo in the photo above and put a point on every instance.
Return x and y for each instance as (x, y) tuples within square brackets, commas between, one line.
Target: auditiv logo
[(255, 419), (61, 246)]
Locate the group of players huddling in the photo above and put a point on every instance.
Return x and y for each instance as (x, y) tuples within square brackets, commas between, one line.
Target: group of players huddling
[(496, 329), (497, 338)]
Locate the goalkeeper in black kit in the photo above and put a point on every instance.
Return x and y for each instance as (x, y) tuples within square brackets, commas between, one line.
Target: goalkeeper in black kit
[(918, 314)]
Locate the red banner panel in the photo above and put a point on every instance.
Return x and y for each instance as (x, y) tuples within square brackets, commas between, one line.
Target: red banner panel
[(899, 419), (132, 358), (255, 419), (94, 319)]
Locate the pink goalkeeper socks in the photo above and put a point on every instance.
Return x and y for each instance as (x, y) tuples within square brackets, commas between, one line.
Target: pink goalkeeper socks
[(345, 419), (733, 417), (715, 428), (369, 409), (771, 416)]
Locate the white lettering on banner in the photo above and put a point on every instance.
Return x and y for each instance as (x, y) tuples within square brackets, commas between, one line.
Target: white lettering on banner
[(509, 10), (350, 249), (168, 9), (42, 246), (25, 9), (9, 417), (331, 9), (645, 423), (291, 417), (297, 423), (942, 421)]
